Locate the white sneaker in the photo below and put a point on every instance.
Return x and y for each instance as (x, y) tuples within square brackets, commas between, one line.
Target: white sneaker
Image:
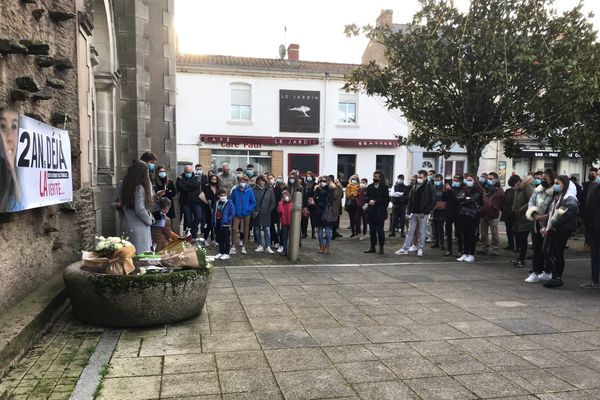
[(532, 278), (280, 249), (420, 253), (243, 249), (218, 256), (462, 258), (363, 237), (400, 252), (276, 245), (259, 249), (232, 251), (544, 276), (241, 243), (225, 257), (270, 251), (412, 249), (470, 259)]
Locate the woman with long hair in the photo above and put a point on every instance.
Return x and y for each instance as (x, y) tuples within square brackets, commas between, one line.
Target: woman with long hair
[(469, 212), (562, 222), (352, 190), (209, 196), (9, 187), (323, 198), (136, 201), (163, 183), (309, 191)]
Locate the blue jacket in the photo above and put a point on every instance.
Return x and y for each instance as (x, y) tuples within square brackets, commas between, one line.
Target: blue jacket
[(226, 217), (243, 201)]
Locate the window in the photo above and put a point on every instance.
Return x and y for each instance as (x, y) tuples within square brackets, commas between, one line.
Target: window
[(347, 108), (386, 164), (454, 167), (346, 167), (241, 102), (304, 162), (241, 158)]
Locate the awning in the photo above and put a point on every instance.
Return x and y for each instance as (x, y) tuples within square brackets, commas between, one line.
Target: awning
[(366, 142), (262, 140)]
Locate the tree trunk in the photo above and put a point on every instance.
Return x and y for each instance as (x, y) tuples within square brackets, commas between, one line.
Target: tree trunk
[(473, 156)]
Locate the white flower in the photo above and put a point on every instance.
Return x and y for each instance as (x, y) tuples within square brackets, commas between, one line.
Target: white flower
[(118, 246)]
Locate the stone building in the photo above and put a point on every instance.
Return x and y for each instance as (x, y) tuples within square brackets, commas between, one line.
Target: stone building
[(105, 71)]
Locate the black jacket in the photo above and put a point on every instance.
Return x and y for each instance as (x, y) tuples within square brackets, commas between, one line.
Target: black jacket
[(421, 199), (189, 190), (452, 203), (169, 187), (591, 216), (507, 204), (398, 202), (381, 195)]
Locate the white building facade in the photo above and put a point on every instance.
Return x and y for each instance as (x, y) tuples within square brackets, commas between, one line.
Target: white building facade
[(281, 115)]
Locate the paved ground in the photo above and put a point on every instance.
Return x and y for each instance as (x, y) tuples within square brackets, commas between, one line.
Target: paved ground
[(380, 327)]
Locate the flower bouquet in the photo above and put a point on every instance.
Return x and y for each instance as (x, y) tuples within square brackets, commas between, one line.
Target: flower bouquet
[(111, 255)]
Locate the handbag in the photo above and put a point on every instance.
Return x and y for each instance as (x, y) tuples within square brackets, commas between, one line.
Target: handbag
[(329, 215), (350, 204), (305, 212)]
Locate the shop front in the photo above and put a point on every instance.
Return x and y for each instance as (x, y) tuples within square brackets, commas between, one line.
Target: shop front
[(569, 164)]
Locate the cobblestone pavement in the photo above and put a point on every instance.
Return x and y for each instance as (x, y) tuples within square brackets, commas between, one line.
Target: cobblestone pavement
[(375, 328)]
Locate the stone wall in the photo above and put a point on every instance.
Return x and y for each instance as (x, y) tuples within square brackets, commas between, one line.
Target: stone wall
[(37, 243)]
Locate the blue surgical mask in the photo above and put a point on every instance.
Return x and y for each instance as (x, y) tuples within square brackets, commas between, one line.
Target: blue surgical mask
[(291, 181), (437, 183), (249, 172), (537, 181), (490, 182), (455, 184), (556, 187), (151, 166), (470, 183), (198, 172), (598, 179), (309, 179), (465, 181), (430, 177), (188, 174), (162, 175)]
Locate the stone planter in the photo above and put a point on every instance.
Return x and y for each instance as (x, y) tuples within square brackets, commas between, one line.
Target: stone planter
[(131, 301)]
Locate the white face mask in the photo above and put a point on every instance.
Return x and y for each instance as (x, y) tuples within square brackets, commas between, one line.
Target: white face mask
[(223, 198), (323, 184), (272, 181), (242, 185), (286, 198), (198, 172), (419, 181), (363, 185)]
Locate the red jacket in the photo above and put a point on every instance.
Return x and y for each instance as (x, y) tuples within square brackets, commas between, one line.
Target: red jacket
[(492, 202), (285, 212)]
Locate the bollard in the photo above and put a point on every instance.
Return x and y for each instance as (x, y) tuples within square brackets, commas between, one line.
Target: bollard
[(294, 239)]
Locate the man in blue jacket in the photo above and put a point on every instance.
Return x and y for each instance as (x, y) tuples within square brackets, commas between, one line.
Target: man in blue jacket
[(244, 202)]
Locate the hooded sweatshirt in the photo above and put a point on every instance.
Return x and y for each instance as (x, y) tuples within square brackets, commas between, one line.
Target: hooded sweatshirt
[(562, 214)]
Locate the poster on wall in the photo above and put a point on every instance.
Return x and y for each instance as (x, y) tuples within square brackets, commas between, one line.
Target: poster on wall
[(299, 111), (35, 163), (502, 172)]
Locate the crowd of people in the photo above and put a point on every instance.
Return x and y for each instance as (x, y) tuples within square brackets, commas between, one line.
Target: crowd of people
[(452, 213)]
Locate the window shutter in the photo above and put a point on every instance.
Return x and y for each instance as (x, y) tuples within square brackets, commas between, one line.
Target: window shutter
[(241, 95)]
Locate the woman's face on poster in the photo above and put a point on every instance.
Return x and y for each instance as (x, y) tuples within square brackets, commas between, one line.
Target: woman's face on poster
[(9, 130)]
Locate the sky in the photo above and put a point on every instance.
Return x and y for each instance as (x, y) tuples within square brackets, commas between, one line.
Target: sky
[(256, 28)]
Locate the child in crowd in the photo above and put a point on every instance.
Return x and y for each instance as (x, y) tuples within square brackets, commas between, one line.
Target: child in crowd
[(284, 208), (161, 229), (222, 216)]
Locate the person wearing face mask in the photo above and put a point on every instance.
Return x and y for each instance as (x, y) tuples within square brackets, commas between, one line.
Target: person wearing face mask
[(507, 215), (251, 174), (222, 215), (439, 213), (351, 192), (188, 186), (452, 191), (308, 205), (166, 185), (200, 172), (522, 225), (227, 180), (208, 197), (378, 199), (150, 159), (323, 199), (284, 208), (537, 212), (265, 203), (490, 215), (421, 202), (399, 201), (562, 223), (591, 219), (244, 201), (592, 174), (469, 214), (361, 217)]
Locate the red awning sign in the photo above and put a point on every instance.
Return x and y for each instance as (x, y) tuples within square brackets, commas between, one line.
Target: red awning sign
[(366, 143), (273, 141)]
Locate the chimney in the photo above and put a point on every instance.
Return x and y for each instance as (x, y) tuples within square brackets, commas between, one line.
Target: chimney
[(293, 52), (385, 18)]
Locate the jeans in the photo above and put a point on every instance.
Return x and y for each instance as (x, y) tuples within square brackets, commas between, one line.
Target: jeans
[(193, 216), (324, 240), (284, 234), (469, 230), (415, 220), (224, 239), (492, 225), (267, 231), (376, 231), (245, 222), (594, 242)]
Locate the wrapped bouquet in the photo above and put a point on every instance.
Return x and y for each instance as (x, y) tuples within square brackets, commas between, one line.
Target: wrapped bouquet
[(111, 255)]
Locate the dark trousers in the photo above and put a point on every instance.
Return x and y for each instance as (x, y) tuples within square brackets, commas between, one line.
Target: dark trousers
[(557, 254), (398, 218), (193, 216), (594, 242), (207, 227), (450, 222), (224, 239), (438, 232), (361, 218), (275, 232), (304, 226), (510, 233), (285, 232), (376, 231), (521, 243), (354, 221), (469, 232), (538, 254)]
